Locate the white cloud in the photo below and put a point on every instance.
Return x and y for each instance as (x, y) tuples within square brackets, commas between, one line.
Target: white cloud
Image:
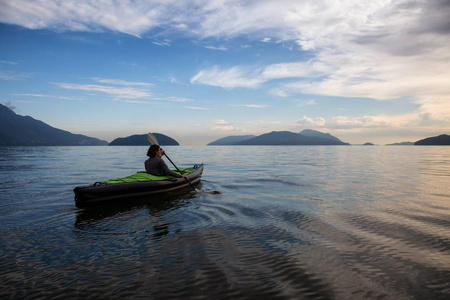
[(196, 108), (14, 75), (252, 105), (306, 103), (162, 43), (120, 82), (7, 62), (318, 121), (222, 125), (228, 78), (47, 96), (119, 92), (220, 48)]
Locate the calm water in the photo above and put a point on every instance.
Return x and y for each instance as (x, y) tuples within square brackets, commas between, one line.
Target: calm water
[(301, 222)]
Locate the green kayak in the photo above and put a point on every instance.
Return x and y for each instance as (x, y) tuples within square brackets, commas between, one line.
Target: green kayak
[(137, 185)]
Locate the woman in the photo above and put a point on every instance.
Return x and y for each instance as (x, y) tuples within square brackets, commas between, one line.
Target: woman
[(155, 165)]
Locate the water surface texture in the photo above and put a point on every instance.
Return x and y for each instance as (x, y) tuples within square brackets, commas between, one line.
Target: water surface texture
[(290, 222)]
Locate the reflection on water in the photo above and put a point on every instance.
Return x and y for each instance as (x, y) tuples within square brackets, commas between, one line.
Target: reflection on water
[(315, 223)]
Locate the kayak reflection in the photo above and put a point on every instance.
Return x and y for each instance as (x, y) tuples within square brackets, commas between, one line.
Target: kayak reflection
[(148, 213)]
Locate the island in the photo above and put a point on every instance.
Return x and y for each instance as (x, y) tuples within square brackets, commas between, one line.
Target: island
[(141, 140), (306, 137)]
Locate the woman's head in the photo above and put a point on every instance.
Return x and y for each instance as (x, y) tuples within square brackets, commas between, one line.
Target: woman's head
[(152, 150)]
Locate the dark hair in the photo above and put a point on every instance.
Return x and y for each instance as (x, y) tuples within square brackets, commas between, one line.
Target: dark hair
[(152, 150)]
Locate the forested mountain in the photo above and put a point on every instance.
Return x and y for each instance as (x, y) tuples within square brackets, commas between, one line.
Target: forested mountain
[(17, 130), (141, 140), (306, 137)]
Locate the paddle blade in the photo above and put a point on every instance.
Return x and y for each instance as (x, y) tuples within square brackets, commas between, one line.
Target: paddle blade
[(152, 139)]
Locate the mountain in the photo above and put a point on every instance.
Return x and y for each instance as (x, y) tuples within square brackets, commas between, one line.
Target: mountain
[(306, 137), (315, 133), (290, 138), (141, 140), (443, 139), (231, 140), (16, 130), (368, 144)]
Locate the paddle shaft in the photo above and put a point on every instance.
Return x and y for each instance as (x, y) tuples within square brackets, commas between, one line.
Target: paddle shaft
[(190, 183)]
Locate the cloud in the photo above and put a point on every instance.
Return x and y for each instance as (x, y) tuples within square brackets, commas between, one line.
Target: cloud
[(120, 82), (161, 43), (119, 92), (220, 48), (252, 105), (228, 78), (306, 103), (7, 62), (222, 125), (48, 96), (14, 75), (196, 108), (309, 121), (414, 121), (172, 99)]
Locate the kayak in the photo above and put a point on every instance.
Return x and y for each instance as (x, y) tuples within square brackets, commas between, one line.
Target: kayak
[(137, 185)]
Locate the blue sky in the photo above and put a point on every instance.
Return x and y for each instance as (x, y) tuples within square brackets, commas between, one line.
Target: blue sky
[(197, 71)]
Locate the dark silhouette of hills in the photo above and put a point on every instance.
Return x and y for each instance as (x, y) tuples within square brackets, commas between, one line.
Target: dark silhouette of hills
[(315, 133), (368, 144), (16, 130), (443, 139), (141, 140), (306, 137), (231, 140)]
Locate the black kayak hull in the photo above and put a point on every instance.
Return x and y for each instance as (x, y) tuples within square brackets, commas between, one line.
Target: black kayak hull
[(101, 194)]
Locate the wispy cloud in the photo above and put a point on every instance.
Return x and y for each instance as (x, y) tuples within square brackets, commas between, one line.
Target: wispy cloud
[(220, 48), (251, 105), (5, 62), (196, 108), (14, 75), (48, 96), (161, 43), (118, 92), (120, 82), (318, 121), (228, 78), (172, 99), (225, 126), (306, 103)]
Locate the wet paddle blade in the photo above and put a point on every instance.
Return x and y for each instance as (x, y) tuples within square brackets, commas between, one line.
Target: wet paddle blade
[(152, 139)]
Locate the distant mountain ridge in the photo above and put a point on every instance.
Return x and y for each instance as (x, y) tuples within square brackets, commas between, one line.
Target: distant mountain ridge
[(441, 140), (141, 140), (306, 137), (17, 130), (231, 140)]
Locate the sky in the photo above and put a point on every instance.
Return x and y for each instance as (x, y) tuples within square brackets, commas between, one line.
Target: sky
[(199, 70)]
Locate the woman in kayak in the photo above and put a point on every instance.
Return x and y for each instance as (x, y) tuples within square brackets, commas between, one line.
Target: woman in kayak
[(155, 165)]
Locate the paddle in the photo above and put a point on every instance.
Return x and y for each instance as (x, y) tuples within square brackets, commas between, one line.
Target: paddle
[(152, 139)]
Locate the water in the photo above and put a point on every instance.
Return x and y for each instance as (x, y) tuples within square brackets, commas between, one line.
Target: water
[(318, 222)]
